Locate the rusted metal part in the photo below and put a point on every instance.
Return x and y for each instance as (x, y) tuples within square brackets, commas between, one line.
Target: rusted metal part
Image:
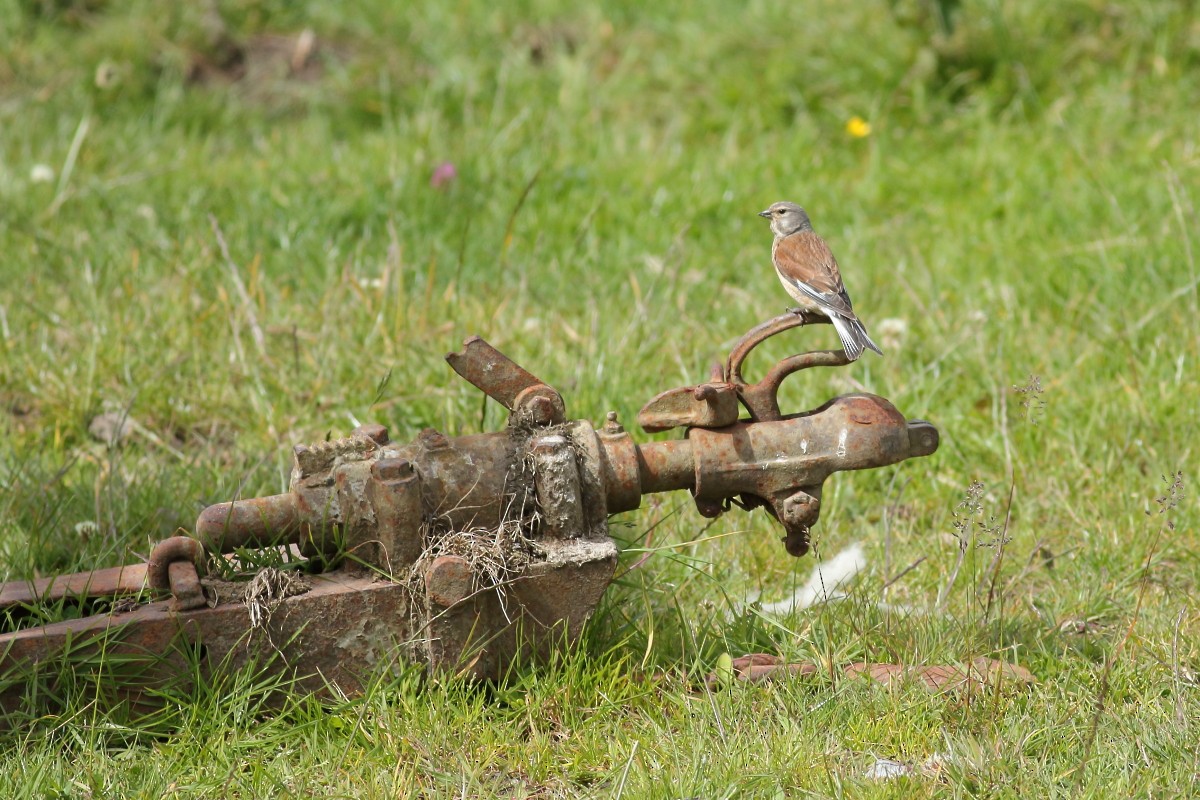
[(489, 629), (783, 464), (714, 404), (760, 333), (110, 582), (259, 522), (761, 399), (395, 494), (618, 465), (541, 405), (593, 493), (333, 638), (176, 565), (375, 432), (782, 468), (474, 552), (557, 482), (171, 551), (465, 482), (780, 464), (186, 590), (448, 581), (709, 405), (979, 673), (501, 379)]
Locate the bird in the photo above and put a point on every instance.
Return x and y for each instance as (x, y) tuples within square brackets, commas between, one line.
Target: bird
[(809, 272)]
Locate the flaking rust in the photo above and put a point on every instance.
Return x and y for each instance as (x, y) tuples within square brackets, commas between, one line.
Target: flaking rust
[(466, 554)]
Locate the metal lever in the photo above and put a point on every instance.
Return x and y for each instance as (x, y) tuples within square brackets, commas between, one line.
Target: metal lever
[(506, 382)]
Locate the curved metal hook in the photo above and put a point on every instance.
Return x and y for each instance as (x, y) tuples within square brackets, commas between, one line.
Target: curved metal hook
[(761, 399)]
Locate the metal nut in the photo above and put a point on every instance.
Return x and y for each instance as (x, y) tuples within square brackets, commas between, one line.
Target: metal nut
[(800, 507), (391, 469), (796, 544), (710, 509)]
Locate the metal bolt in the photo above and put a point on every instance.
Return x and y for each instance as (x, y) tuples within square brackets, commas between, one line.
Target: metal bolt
[(611, 425), (431, 439), (448, 580), (541, 410), (375, 432), (391, 469)]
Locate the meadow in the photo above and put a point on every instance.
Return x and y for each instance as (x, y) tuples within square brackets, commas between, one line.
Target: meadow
[(1009, 187)]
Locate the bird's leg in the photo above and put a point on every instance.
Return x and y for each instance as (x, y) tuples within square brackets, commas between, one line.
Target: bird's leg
[(797, 310)]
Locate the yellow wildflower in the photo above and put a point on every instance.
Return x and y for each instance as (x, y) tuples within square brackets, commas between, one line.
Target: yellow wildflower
[(858, 127)]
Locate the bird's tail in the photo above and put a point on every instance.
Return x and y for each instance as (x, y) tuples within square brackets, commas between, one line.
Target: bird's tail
[(854, 336)]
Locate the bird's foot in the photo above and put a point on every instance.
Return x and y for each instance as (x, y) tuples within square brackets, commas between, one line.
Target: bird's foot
[(797, 310)]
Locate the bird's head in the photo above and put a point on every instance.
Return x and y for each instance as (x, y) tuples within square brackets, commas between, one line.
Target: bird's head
[(786, 219)]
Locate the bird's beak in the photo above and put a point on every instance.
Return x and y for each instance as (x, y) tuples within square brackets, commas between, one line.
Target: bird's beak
[(766, 213)]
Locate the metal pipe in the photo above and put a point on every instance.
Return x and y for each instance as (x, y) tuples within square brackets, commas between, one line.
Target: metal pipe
[(666, 466), (260, 522)]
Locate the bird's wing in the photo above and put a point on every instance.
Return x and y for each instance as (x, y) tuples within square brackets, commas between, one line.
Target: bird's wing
[(805, 261)]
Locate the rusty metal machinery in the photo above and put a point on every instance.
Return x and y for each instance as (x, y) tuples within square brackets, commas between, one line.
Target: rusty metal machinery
[(465, 553)]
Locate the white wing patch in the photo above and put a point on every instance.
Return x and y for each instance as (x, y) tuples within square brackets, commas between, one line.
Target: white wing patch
[(817, 297)]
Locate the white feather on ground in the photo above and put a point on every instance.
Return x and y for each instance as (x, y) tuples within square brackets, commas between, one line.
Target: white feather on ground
[(824, 582)]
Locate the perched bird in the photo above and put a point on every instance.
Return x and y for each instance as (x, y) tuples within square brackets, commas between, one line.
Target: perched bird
[(809, 272)]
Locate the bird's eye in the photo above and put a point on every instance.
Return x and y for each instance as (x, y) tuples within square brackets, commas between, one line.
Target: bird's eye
[(781, 211)]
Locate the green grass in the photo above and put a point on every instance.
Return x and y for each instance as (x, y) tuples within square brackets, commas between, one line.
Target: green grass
[(1024, 203)]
